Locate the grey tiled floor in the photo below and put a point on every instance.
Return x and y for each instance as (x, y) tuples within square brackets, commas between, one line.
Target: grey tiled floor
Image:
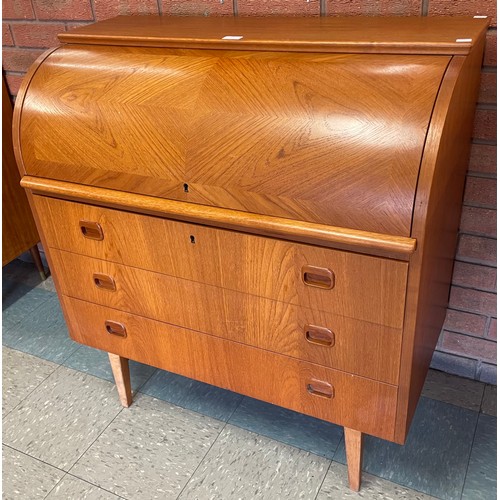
[(65, 435)]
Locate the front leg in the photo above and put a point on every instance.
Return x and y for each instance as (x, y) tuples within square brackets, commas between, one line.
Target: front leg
[(121, 373), (354, 454)]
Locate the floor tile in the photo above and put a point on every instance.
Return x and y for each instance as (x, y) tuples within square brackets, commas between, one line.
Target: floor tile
[(197, 396), (12, 290), (289, 427), (23, 272), (149, 451), (487, 373), (480, 481), (244, 465), (21, 373), (23, 477), (43, 332), (71, 487), (61, 419), (96, 362), (48, 285), (452, 389), (19, 302), (489, 404), (8, 287), (336, 486), (434, 458)]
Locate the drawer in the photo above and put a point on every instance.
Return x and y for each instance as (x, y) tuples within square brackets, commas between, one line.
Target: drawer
[(366, 288), (323, 338), (331, 395)]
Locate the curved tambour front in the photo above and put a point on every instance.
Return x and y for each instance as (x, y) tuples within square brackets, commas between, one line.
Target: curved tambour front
[(334, 139)]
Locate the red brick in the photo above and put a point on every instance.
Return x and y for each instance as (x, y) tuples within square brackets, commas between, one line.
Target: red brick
[(474, 276), (480, 221), (71, 26), (17, 9), (104, 9), (462, 322), (373, 8), (485, 124), (483, 158), (7, 40), (19, 59), (480, 191), (43, 35), (471, 347), (490, 51), (477, 249), (63, 10), (13, 83), (464, 8), (197, 8), (278, 7), (488, 88), (470, 300), (492, 330)]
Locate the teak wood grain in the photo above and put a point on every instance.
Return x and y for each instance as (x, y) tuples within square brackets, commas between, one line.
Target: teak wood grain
[(403, 35), (279, 379), (353, 452), (19, 231), (220, 171), (394, 247), (268, 324), (438, 207), (239, 131), (121, 374), (367, 288)]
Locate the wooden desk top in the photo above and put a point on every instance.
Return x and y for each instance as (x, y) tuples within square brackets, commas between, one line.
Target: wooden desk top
[(403, 35)]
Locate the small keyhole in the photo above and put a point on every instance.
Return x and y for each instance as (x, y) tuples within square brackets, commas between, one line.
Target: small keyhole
[(186, 188), (192, 238)]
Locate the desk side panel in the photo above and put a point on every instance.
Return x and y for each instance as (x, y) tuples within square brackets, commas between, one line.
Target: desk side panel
[(435, 226)]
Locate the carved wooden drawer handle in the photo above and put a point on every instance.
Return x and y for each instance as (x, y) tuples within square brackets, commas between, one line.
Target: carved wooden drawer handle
[(115, 328), (320, 388), (91, 230), (319, 335), (104, 281), (319, 277)]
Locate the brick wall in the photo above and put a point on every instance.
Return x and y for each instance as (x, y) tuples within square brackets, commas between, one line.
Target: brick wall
[(467, 345)]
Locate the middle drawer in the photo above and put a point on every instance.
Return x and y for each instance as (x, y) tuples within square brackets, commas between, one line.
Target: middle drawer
[(347, 344)]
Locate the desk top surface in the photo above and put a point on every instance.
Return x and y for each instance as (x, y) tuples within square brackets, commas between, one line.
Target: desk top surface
[(396, 35)]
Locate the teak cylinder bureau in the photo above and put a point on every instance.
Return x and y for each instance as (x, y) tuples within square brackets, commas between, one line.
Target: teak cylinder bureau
[(267, 205)]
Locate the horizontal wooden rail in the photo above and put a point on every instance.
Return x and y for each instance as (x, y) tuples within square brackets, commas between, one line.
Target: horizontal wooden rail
[(397, 247)]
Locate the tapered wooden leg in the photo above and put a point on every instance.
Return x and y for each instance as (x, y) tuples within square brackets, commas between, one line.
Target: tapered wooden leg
[(121, 374), (354, 454), (35, 255)]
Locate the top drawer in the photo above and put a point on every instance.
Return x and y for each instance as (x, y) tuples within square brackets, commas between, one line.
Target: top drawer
[(329, 138), (352, 285)]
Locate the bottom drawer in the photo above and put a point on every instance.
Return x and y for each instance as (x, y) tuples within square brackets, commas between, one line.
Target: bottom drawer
[(328, 394)]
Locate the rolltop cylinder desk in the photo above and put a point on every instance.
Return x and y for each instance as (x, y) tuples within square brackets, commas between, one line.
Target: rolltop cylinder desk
[(266, 205)]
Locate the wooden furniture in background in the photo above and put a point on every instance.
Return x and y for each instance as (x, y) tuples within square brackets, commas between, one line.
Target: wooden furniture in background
[(266, 205), (19, 232)]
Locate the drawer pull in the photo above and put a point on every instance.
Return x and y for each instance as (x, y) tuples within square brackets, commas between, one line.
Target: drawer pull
[(319, 335), (319, 277), (104, 281), (320, 388), (115, 328), (91, 230)]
